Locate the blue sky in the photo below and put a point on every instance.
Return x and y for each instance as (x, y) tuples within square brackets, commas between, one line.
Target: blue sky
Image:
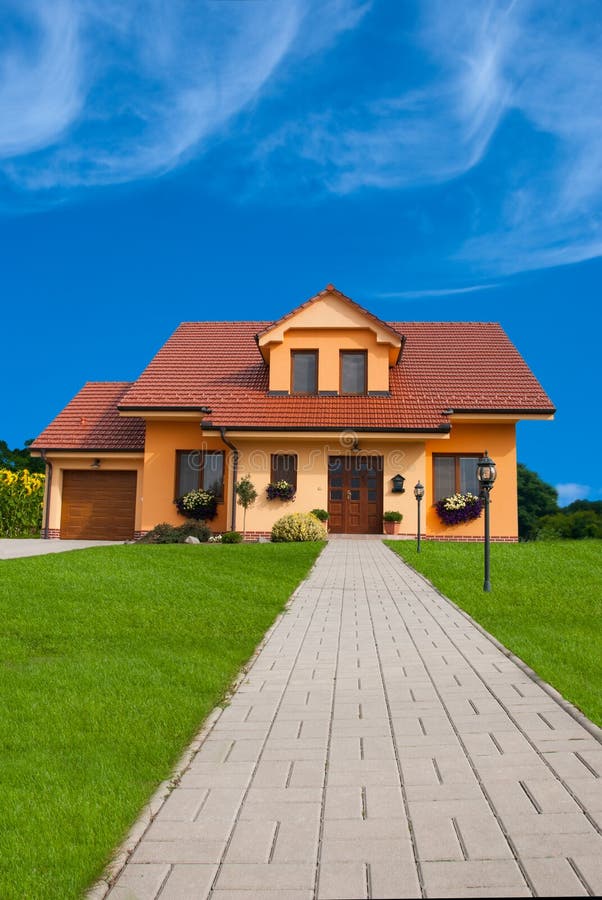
[(166, 160)]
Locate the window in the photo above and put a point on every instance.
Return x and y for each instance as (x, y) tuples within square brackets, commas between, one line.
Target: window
[(353, 371), (304, 365), (454, 473), (200, 469), (284, 468)]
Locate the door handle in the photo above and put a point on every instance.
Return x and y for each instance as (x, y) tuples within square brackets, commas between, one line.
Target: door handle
[(349, 495)]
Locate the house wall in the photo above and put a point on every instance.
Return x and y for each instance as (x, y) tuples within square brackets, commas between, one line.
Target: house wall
[(111, 462), (329, 343), (163, 440), (403, 457), (500, 441)]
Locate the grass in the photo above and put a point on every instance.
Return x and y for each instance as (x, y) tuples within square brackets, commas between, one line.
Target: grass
[(110, 659), (545, 605)]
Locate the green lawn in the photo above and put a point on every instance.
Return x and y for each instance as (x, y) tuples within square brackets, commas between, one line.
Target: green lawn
[(110, 660), (545, 605)]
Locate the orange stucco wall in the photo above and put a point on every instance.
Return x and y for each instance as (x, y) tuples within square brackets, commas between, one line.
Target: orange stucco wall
[(403, 457), (500, 441), (163, 440), (329, 343)]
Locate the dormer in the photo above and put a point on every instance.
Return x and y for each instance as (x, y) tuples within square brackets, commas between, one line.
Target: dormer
[(329, 345)]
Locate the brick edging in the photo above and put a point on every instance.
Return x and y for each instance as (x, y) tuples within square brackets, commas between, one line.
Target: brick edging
[(566, 705)]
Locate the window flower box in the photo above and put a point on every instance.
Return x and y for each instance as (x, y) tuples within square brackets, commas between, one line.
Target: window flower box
[(280, 490), (199, 504), (459, 508)]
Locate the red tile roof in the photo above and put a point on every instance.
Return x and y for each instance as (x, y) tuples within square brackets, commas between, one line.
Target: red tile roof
[(91, 421), (464, 366), (460, 365)]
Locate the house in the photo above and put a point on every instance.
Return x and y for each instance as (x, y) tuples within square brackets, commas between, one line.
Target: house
[(329, 398)]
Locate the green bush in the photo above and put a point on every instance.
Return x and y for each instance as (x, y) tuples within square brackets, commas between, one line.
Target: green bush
[(392, 515), (320, 514), (164, 533), (575, 526), (21, 499), (231, 537), (298, 527)]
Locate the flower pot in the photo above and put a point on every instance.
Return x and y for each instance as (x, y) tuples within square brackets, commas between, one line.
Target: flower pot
[(391, 527)]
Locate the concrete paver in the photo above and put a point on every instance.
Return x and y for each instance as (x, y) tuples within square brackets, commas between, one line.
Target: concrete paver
[(14, 548), (380, 746)]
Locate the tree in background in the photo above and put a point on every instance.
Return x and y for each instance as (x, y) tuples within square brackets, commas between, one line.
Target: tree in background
[(536, 498), (17, 460)]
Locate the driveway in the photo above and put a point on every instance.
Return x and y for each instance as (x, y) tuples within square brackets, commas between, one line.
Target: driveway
[(11, 548), (379, 746)]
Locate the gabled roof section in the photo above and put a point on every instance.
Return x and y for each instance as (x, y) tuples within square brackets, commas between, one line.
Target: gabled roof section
[(330, 309), (445, 365), (91, 422)]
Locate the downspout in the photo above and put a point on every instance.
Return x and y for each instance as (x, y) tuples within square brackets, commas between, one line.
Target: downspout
[(234, 449), (45, 528)]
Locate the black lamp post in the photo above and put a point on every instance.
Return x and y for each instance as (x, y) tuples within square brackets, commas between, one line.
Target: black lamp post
[(486, 474), (419, 494)]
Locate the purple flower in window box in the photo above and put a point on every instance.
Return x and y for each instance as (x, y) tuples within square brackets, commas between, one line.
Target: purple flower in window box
[(459, 508), (280, 490)]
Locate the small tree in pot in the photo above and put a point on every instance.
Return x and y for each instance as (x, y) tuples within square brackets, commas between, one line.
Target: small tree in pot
[(391, 520), (247, 495)]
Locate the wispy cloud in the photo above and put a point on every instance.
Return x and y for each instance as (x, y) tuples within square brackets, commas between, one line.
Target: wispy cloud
[(571, 491), (107, 92), (515, 87), (433, 292)]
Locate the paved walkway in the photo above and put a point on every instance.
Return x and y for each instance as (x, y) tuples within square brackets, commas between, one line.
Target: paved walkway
[(12, 548), (381, 746)]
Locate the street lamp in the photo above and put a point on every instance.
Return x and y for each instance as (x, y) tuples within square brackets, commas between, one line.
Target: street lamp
[(419, 494), (486, 475)]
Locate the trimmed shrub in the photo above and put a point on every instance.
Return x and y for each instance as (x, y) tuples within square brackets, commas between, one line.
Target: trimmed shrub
[(171, 534), (21, 500), (298, 527), (231, 537), (392, 515), (320, 514)]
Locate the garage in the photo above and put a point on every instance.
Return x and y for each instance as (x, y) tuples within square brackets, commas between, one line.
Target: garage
[(98, 506)]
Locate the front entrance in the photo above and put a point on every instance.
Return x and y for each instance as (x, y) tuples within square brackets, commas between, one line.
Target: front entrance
[(355, 494)]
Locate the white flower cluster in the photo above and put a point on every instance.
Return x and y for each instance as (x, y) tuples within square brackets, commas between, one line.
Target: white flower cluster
[(459, 501), (195, 499), (215, 539)]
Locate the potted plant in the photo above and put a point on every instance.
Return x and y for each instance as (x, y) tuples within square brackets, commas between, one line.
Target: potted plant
[(391, 520), (280, 490), (459, 508), (197, 504), (321, 514)]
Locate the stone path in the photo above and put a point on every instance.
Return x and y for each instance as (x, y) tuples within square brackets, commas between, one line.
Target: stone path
[(381, 746)]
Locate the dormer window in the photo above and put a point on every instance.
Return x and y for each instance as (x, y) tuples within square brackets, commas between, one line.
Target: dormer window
[(304, 371), (354, 368)]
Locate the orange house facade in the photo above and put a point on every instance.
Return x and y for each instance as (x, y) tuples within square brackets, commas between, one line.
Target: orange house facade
[(329, 398)]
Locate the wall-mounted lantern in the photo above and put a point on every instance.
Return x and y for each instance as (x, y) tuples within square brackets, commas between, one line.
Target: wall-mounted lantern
[(397, 482)]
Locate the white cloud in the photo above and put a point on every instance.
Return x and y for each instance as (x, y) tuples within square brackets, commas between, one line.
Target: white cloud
[(571, 491), (40, 89), (433, 292), (158, 80)]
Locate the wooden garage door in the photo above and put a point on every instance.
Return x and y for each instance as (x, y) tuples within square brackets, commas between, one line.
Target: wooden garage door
[(98, 506)]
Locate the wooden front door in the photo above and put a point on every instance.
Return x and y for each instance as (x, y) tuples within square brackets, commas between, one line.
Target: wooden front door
[(355, 494)]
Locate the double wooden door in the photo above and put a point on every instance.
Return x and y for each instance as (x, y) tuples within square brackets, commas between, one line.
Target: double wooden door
[(355, 494)]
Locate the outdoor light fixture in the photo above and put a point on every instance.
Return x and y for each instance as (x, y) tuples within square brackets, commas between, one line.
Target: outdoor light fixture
[(398, 487), (419, 494), (95, 464), (486, 475)]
